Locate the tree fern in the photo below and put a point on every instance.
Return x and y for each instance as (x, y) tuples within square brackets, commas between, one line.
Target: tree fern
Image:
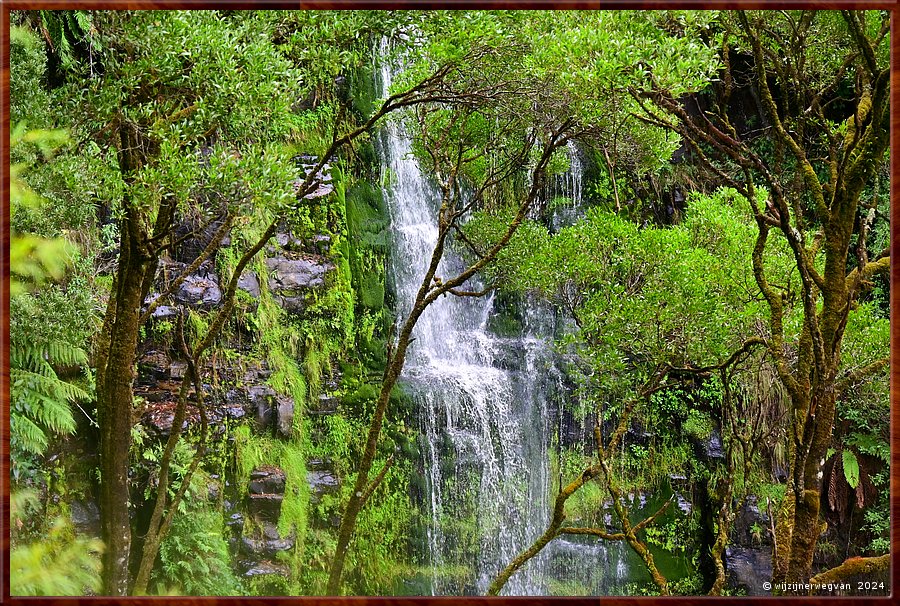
[(62, 29), (40, 400)]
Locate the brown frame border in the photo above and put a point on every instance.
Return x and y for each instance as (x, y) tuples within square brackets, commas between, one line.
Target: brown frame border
[(891, 5)]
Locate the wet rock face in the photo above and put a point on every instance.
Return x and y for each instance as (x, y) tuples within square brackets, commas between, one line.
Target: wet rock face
[(271, 409), (748, 569), (714, 448), (266, 493), (154, 365), (267, 543), (321, 478), (751, 524), (200, 291), (711, 448), (284, 416), (249, 283), (197, 236), (288, 241), (260, 541), (161, 402), (324, 187), (260, 402), (86, 517), (266, 567), (290, 280), (267, 479)]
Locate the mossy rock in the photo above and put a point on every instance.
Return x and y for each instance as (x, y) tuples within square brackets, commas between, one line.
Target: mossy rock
[(361, 398), (370, 292), (362, 90), (505, 325), (366, 204)]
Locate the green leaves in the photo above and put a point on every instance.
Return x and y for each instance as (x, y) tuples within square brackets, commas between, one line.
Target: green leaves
[(851, 467), (643, 296), (54, 565), (39, 398)]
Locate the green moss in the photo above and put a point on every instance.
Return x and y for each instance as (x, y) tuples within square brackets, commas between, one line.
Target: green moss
[(253, 450), (698, 425), (362, 91), (362, 397)]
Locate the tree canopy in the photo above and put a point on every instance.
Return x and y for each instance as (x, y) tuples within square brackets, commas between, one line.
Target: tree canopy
[(723, 276)]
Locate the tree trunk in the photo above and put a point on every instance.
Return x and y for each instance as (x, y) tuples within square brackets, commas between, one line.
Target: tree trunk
[(115, 379), (804, 537), (114, 404)]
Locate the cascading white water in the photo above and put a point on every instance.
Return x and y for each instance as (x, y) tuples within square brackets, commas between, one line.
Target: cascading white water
[(486, 403), (564, 192), (484, 413)]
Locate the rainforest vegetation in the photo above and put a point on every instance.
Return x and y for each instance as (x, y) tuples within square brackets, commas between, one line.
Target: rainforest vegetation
[(449, 302)]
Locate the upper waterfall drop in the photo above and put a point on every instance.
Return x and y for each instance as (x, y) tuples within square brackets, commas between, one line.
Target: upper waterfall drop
[(485, 402)]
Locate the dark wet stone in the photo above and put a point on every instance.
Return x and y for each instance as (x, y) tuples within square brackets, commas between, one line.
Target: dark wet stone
[(325, 187), (683, 504), (748, 569), (235, 522), (164, 312), (266, 542), (200, 291), (265, 506), (284, 416), (290, 275), (266, 547), (265, 568), (260, 398), (235, 397), (289, 242), (322, 480), (714, 449), (234, 411), (267, 479), (154, 365), (751, 523), (249, 283), (86, 517)]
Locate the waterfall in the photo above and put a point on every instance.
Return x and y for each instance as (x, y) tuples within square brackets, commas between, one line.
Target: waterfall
[(488, 404), (485, 417)]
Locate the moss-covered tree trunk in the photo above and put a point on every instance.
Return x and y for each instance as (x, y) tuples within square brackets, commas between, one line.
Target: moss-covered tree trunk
[(114, 405), (115, 378)]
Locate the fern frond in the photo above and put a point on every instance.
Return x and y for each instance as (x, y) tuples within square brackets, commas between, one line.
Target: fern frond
[(59, 352), (50, 387), (25, 435), (55, 415), (80, 22), (29, 357)]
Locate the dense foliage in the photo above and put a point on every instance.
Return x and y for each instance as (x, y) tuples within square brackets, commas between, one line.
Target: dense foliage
[(207, 347)]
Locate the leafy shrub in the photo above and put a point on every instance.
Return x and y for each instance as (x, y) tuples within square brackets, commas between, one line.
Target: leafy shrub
[(54, 564), (194, 556)]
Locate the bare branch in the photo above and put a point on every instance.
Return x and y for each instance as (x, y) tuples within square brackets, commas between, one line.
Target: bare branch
[(203, 256)]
